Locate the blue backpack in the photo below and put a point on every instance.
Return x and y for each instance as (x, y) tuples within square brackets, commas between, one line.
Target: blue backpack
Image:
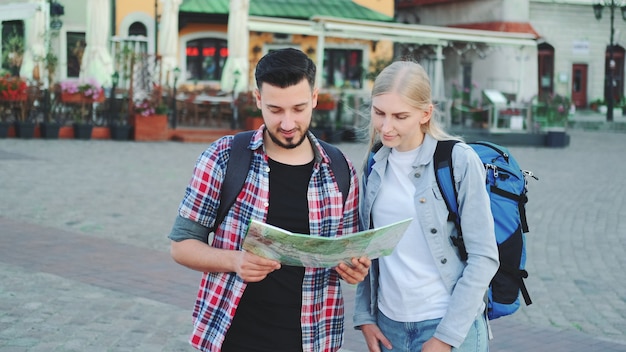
[(506, 186)]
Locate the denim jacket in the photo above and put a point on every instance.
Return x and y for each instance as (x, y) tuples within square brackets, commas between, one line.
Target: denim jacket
[(467, 281)]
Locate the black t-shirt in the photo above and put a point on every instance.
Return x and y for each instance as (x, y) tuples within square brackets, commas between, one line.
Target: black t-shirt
[(268, 315)]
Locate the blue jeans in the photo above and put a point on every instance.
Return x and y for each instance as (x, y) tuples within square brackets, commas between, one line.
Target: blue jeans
[(409, 337)]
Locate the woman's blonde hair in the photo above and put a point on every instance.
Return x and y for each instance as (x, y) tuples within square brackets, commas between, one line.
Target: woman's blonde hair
[(410, 81)]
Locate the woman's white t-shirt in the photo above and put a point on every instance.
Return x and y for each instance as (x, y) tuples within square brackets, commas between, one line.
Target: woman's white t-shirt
[(411, 288)]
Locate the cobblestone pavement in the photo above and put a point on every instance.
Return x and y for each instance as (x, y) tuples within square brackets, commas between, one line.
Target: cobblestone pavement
[(84, 261)]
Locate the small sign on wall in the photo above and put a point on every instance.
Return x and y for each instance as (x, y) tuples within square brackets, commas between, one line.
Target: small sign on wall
[(580, 47)]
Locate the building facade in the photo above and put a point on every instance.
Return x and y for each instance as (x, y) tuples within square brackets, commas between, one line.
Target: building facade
[(521, 48)]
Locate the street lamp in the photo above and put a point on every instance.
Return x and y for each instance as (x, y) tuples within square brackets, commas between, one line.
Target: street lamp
[(56, 10), (176, 73), (610, 81)]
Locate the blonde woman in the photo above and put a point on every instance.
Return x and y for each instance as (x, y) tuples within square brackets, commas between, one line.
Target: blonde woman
[(422, 297)]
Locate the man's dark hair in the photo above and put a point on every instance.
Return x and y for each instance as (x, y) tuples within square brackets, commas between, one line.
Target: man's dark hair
[(284, 68)]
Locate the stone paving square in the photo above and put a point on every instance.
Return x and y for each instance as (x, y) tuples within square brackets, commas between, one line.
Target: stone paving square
[(84, 262)]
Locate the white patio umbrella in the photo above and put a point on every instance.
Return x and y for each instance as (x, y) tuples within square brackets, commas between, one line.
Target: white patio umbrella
[(97, 62), (168, 38), (235, 72), (34, 43), (438, 90)]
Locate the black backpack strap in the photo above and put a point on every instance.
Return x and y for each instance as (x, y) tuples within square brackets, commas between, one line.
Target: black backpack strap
[(236, 173), (340, 168), (239, 165), (444, 174)]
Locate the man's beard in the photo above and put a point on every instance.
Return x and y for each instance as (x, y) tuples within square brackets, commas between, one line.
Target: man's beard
[(289, 144)]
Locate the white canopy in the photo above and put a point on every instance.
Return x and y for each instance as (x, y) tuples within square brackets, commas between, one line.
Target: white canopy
[(97, 62), (168, 37), (35, 47), (235, 73)]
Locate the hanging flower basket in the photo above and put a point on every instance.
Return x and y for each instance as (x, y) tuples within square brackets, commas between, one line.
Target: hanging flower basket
[(88, 92), (80, 98), (12, 89)]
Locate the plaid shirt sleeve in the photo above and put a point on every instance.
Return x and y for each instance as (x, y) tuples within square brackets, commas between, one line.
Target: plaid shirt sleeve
[(202, 195)]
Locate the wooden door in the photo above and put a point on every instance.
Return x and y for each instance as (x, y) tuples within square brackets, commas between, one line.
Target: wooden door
[(579, 85)]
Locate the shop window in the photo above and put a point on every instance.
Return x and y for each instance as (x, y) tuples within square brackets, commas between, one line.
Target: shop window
[(343, 68), (205, 59)]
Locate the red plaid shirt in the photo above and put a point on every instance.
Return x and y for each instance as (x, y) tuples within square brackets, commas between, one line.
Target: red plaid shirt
[(219, 293)]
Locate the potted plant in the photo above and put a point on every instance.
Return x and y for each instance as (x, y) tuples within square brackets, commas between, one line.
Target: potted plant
[(51, 62), (326, 102), (119, 126), (252, 116), (81, 96), (557, 113), (13, 95), (249, 113), (149, 120), (5, 114), (602, 107), (50, 127), (622, 105)]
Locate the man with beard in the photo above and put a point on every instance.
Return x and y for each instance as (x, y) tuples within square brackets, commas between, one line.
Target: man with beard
[(249, 303)]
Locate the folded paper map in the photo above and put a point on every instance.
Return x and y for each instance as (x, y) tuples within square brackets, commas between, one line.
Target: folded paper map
[(321, 252)]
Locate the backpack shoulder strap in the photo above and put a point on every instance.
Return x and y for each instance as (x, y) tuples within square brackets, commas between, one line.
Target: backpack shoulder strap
[(444, 174), (370, 159), (339, 166), (236, 173)]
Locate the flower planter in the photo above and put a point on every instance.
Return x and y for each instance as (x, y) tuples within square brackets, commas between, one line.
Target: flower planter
[(326, 106), (150, 128), (14, 98), (253, 122), (79, 98), (120, 132), (24, 129), (4, 129), (82, 131), (49, 130), (557, 137)]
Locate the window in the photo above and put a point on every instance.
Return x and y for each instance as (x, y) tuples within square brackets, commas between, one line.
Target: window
[(75, 50), (137, 28), (206, 58), (343, 68)]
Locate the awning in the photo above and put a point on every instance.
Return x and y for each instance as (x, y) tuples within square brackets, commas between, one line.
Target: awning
[(501, 26), (296, 9), (326, 26), (396, 32)]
